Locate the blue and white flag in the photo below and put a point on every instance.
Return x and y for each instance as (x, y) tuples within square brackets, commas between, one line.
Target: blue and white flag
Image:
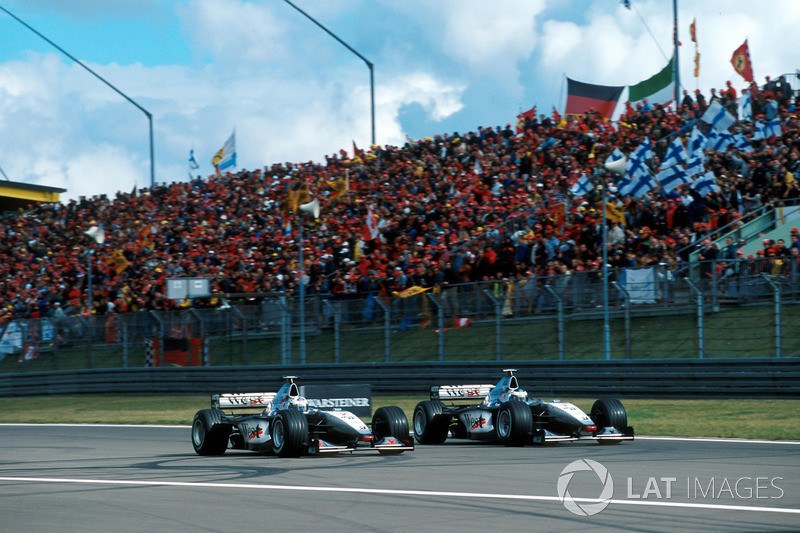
[(719, 117), (740, 142), (706, 184), (694, 165), (225, 158), (719, 140), (773, 128), (745, 104), (616, 155), (697, 142), (643, 151), (672, 178), (758, 130), (582, 187), (192, 161), (676, 153), (637, 168), (641, 185)]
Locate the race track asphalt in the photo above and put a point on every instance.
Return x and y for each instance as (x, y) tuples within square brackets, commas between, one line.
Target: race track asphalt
[(147, 478)]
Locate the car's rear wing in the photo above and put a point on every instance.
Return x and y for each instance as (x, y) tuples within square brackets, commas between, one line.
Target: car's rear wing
[(460, 392), (245, 400)]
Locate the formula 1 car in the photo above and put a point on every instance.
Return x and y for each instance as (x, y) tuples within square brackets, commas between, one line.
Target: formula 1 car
[(285, 425), (507, 415)]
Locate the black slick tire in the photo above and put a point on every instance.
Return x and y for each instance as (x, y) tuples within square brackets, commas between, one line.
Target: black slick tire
[(209, 433), (289, 433), (431, 424), (514, 423)]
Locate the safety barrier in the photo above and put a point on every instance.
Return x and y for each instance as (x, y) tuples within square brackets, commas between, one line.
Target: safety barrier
[(687, 378)]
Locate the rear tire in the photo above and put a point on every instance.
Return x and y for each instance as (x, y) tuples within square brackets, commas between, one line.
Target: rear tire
[(390, 421), (209, 433), (514, 423), (609, 412), (289, 432), (431, 424)]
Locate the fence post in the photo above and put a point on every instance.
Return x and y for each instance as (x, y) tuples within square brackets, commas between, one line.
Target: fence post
[(627, 307), (700, 333), (244, 333), (336, 330), (498, 334), (387, 327), (776, 295), (440, 318), (560, 306), (286, 331)]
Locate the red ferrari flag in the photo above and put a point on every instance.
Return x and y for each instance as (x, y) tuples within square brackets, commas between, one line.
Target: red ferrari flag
[(741, 62), (523, 117)]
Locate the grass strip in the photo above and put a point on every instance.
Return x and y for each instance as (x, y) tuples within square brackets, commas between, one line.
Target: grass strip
[(737, 418)]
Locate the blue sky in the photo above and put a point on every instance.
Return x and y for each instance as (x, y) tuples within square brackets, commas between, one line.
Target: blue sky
[(292, 93)]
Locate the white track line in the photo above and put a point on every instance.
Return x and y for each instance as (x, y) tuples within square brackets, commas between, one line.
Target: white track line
[(399, 492)]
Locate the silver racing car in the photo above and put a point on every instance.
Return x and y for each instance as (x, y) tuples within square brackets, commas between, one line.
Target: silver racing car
[(283, 423), (506, 414)]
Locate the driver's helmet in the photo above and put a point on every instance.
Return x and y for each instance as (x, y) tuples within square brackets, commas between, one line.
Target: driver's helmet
[(518, 394), (298, 403)]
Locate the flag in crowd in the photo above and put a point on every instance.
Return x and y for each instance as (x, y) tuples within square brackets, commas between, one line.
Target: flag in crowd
[(370, 232), (340, 186), (740, 142), (640, 185), (672, 178), (741, 62), (705, 184), (582, 187), (719, 117), (643, 152), (615, 212), (658, 88), (676, 153), (523, 117), (745, 104), (694, 165), (719, 140), (583, 97), (697, 142), (192, 161), (773, 128), (225, 158)]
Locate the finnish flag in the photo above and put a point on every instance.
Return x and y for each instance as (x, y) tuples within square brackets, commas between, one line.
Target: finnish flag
[(718, 117), (706, 184), (672, 178), (582, 187), (676, 153)]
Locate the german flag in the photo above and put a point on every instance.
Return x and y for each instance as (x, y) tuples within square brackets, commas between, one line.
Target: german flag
[(583, 97)]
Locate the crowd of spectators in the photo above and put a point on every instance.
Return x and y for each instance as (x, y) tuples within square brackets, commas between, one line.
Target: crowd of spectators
[(455, 208)]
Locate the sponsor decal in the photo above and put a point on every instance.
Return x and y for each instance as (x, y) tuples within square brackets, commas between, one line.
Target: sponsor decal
[(255, 432), (354, 398)]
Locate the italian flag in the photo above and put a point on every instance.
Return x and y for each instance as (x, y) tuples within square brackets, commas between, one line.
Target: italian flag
[(658, 89)]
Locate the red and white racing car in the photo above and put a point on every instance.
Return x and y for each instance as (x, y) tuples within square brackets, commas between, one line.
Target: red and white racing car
[(506, 414), (283, 423)]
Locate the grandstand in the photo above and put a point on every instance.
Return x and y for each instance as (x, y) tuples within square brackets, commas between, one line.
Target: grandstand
[(456, 208)]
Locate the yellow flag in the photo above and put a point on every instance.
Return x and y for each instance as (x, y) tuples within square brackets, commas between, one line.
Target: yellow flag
[(411, 291), (615, 212)]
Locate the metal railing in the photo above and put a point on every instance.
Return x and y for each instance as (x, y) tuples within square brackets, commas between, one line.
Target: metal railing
[(747, 308)]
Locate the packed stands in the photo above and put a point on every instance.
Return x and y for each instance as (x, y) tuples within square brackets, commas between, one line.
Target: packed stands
[(462, 207)]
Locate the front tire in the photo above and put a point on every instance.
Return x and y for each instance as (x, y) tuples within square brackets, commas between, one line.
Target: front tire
[(209, 433), (430, 423), (609, 412), (289, 432), (390, 421), (514, 423)]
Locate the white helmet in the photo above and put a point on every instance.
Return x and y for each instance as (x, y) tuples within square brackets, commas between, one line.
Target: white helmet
[(518, 394), (298, 402)]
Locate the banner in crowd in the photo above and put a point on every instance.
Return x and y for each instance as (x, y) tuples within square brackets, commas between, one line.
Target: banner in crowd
[(741, 62), (583, 97), (658, 88), (225, 158)]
